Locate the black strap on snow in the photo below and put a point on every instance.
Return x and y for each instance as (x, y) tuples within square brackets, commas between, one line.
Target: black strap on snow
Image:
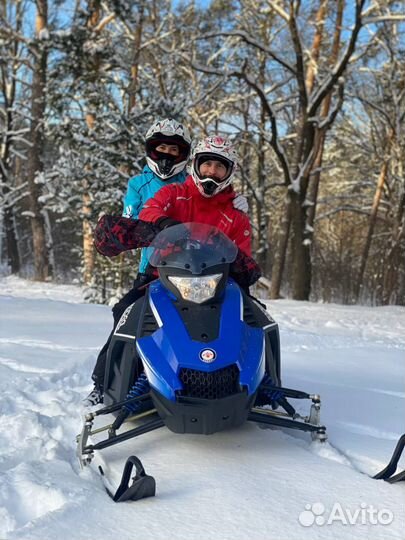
[(388, 472), (142, 484)]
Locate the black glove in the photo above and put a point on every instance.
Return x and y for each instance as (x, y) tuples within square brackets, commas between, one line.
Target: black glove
[(165, 222)]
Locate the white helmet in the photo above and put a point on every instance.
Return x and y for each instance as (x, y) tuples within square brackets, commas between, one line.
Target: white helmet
[(167, 131), (219, 149)]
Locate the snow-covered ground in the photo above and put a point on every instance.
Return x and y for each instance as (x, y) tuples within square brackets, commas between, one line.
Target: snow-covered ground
[(246, 483)]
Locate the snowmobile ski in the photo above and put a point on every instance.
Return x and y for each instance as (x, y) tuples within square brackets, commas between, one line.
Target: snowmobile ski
[(387, 473)]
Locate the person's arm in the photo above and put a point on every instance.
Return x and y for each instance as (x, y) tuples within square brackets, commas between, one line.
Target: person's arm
[(242, 234), (132, 200), (115, 234), (160, 208), (244, 270)]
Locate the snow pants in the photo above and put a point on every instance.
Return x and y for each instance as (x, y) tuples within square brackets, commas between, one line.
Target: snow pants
[(137, 291)]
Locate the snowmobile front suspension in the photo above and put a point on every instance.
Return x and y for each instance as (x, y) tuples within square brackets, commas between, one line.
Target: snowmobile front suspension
[(278, 419), (85, 451), (142, 485), (291, 418)]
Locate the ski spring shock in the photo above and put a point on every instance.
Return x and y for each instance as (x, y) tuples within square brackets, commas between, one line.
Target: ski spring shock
[(275, 394), (140, 387)]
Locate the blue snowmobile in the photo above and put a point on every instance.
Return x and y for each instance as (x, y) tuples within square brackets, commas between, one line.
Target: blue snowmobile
[(196, 354)]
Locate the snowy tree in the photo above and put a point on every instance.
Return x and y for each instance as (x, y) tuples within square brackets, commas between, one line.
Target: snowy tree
[(312, 77), (380, 93), (13, 125), (79, 91), (35, 161)]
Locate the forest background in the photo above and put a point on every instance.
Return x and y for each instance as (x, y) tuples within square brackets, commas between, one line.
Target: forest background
[(312, 92)]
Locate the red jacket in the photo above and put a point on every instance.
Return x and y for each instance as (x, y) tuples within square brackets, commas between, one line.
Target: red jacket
[(185, 203)]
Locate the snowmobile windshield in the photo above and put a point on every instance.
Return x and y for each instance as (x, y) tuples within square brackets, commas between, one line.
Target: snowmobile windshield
[(191, 246)]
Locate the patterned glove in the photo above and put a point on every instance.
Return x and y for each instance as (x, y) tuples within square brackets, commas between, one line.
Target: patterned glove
[(115, 234), (240, 203), (245, 270)]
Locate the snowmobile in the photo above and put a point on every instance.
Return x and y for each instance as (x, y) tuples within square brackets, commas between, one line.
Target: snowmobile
[(196, 354)]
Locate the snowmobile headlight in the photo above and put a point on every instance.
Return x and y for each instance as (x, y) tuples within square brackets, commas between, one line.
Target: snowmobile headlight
[(196, 289)]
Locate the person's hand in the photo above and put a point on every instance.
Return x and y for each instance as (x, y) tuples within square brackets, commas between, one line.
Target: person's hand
[(240, 203), (115, 234), (244, 270), (165, 222)]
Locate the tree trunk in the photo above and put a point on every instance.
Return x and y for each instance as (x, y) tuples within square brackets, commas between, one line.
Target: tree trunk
[(300, 244), (89, 256), (302, 268), (294, 218), (371, 224), (394, 275), (13, 254), (316, 168), (301, 265), (35, 156), (8, 91), (316, 46), (281, 253), (88, 247), (262, 218), (135, 62)]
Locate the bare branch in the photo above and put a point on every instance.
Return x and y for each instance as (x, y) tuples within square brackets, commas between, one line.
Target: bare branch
[(104, 22), (338, 70), (383, 18), (278, 9), (374, 106), (251, 41), (328, 121), (299, 58), (274, 142)]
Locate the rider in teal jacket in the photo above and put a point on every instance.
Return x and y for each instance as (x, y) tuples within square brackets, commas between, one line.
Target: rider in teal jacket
[(167, 145), (167, 149), (142, 188)]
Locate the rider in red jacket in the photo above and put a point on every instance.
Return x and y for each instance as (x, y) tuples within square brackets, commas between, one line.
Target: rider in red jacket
[(205, 197), (185, 203)]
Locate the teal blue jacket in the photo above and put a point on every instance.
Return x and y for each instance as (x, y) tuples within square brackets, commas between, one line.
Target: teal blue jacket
[(140, 189)]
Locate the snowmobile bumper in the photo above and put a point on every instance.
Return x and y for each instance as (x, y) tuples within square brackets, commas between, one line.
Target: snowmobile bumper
[(203, 416)]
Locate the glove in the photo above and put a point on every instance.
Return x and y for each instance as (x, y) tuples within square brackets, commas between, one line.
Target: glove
[(165, 222), (240, 203), (244, 270), (115, 234)]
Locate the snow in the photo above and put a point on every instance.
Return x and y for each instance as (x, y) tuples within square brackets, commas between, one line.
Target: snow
[(43, 34), (246, 483)]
